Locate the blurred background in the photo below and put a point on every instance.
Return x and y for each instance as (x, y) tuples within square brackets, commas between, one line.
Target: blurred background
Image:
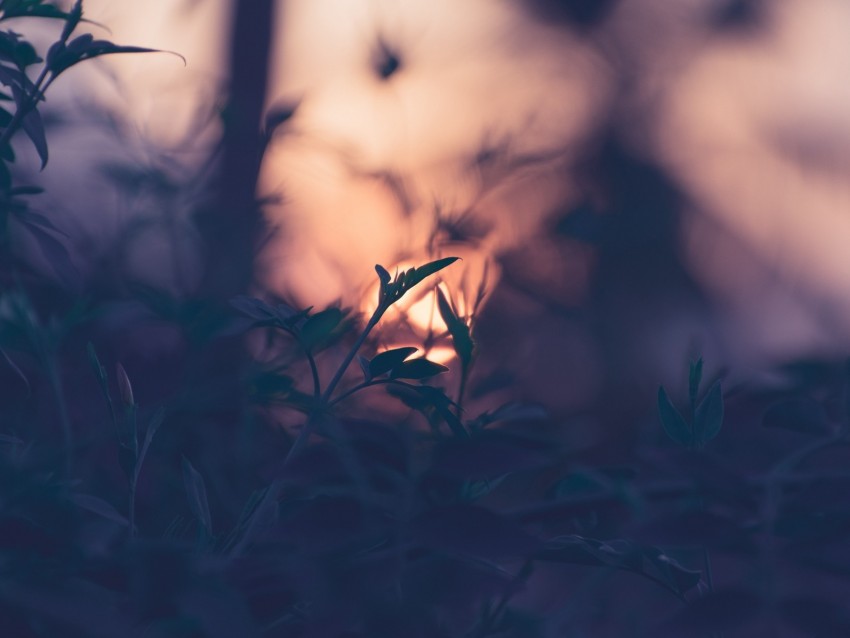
[(630, 182)]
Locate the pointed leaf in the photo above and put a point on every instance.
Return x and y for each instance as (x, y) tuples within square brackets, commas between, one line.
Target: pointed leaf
[(100, 507), (56, 254), (386, 361), (364, 367), (694, 379), (420, 368), (672, 421), (708, 417), (418, 274), (383, 275), (16, 370), (196, 492), (253, 307), (458, 329), (319, 327)]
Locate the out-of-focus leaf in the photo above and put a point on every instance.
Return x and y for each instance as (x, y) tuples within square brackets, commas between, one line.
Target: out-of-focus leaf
[(318, 328), (420, 368), (388, 360), (61, 56), (363, 362), (196, 492), (31, 120), (20, 374), (100, 507), (512, 412), (647, 561), (708, 417), (30, 10), (56, 254), (462, 341), (694, 379), (672, 421), (253, 307)]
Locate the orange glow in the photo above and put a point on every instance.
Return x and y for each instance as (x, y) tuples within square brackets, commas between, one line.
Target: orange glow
[(415, 319)]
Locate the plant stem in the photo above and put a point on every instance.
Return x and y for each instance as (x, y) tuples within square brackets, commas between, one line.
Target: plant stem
[(373, 321), (324, 398)]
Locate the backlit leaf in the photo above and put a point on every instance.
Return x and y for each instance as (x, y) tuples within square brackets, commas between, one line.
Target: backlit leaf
[(386, 361)]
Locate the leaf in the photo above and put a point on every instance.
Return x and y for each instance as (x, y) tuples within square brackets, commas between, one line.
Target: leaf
[(672, 421), (37, 219), (31, 10), (458, 329), (416, 275), (62, 57), (420, 368), (647, 561), (694, 379), (260, 513), (17, 371), (363, 362), (388, 360), (125, 388), (31, 123), (318, 328), (56, 254), (72, 20), (100, 507), (253, 307), (708, 417), (383, 274), (196, 492)]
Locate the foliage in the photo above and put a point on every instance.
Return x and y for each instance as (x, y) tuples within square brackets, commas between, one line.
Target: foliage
[(172, 507)]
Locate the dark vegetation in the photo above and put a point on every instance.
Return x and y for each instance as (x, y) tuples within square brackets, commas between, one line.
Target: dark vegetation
[(157, 495)]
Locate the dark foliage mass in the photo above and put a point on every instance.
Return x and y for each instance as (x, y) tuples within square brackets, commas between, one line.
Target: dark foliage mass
[(149, 488)]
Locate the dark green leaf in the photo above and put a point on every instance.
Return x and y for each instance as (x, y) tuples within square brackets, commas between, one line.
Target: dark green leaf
[(318, 328), (16, 370), (419, 368), (416, 275), (458, 329), (364, 366), (672, 421), (85, 47), (708, 417), (100, 507), (34, 128), (56, 254), (196, 492), (253, 307), (72, 20), (694, 379), (386, 361), (622, 554)]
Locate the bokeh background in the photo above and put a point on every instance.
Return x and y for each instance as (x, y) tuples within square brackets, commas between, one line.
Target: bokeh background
[(646, 182)]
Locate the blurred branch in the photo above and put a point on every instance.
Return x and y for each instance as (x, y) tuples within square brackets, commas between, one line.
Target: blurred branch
[(232, 222)]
